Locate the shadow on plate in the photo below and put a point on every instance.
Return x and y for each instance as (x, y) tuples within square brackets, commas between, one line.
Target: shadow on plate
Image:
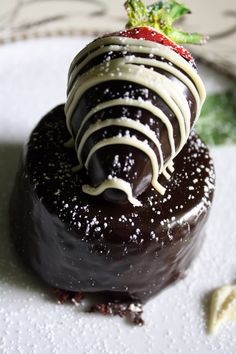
[(13, 274)]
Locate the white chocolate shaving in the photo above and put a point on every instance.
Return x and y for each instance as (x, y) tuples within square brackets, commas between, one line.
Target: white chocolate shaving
[(222, 307)]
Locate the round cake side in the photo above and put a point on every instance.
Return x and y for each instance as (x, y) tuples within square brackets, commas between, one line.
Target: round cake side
[(81, 243)]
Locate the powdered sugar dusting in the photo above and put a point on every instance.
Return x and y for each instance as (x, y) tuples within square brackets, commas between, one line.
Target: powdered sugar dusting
[(32, 322)]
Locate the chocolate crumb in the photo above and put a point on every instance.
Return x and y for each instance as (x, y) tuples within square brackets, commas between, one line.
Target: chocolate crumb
[(132, 312), (64, 296)]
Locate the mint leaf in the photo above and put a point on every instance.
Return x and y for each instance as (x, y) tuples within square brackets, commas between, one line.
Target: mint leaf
[(217, 124)]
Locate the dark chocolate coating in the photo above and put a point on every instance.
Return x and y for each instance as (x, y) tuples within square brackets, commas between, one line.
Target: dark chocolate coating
[(83, 243), (101, 164)]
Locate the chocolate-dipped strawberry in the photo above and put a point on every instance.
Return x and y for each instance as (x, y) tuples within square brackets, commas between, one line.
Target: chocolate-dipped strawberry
[(131, 105), (133, 97)]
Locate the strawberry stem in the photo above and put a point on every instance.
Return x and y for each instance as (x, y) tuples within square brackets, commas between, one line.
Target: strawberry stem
[(161, 16)]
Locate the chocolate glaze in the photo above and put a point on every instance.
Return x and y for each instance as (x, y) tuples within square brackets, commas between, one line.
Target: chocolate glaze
[(101, 164), (82, 243)]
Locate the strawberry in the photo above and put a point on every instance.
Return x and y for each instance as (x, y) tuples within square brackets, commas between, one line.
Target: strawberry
[(152, 35), (154, 23), (123, 81), (147, 33)]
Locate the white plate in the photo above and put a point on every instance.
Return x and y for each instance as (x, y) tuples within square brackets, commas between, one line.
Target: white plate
[(32, 81)]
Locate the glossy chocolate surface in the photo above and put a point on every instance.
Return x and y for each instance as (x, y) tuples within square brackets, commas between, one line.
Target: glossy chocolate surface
[(102, 162), (82, 243)]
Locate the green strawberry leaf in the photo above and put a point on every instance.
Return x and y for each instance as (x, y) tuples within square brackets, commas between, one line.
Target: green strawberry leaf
[(161, 16), (217, 124)]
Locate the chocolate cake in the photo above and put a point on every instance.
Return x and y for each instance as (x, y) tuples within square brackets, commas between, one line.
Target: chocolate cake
[(114, 187), (83, 243)]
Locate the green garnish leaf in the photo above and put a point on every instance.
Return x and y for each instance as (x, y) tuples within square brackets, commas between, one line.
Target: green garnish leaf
[(137, 13), (177, 10), (217, 124), (161, 16)]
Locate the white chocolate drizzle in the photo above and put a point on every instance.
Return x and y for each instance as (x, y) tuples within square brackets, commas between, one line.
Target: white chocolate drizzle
[(136, 103), (132, 141), (123, 122), (115, 183), (134, 69)]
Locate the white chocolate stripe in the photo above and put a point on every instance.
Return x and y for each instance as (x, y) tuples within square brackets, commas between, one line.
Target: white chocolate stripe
[(96, 76), (123, 122), (170, 165), (131, 59), (161, 85), (75, 71), (158, 64), (98, 43), (132, 141), (178, 74), (182, 112), (166, 174), (141, 46), (114, 183), (139, 104)]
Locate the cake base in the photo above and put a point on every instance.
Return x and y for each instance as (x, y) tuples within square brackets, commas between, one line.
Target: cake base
[(84, 244)]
